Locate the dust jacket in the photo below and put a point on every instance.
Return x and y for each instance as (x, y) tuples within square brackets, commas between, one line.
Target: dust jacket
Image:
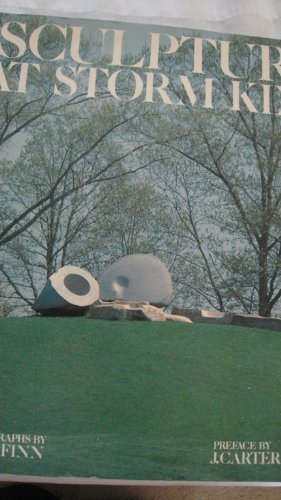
[(123, 138)]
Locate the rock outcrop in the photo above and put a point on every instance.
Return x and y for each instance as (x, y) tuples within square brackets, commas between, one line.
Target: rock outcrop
[(228, 318), (132, 311)]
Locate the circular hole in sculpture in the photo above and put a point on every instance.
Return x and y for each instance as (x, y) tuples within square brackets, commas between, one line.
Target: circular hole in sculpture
[(77, 284)]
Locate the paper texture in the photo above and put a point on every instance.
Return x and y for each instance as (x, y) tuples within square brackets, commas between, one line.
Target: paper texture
[(256, 17)]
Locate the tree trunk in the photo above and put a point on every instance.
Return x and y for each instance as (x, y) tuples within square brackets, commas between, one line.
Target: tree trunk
[(264, 309)]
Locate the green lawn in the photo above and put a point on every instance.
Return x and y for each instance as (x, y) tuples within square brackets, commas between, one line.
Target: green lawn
[(138, 400)]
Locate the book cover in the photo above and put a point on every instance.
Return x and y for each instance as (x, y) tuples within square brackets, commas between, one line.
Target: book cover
[(124, 139)]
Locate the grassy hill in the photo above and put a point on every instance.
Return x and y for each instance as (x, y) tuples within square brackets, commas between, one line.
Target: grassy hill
[(138, 400)]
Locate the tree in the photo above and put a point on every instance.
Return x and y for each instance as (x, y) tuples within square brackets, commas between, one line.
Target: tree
[(236, 154), (23, 110), (135, 219), (218, 170), (120, 217), (72, 167)]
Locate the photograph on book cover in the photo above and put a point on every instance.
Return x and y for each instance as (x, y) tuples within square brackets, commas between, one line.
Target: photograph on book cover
[(140, 182)]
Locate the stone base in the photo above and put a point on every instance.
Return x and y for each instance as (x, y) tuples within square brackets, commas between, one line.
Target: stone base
[(203, 315), (256, 322), (131, 311), (229, 318), (177, 317)]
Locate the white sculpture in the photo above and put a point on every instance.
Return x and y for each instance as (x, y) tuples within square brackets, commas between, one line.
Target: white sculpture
[(137, 277), (71, 289)]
